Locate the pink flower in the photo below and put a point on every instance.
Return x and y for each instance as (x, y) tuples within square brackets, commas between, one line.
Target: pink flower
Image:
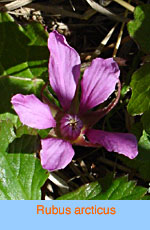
[(73, 122)]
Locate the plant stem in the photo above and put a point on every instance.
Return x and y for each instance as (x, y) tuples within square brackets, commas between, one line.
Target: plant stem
[(125, 4), (120, 33)]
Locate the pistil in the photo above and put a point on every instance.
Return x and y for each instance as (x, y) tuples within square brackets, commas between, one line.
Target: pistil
[(70, 126)]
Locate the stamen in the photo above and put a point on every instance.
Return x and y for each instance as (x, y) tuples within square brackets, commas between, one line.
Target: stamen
[(70, 126)]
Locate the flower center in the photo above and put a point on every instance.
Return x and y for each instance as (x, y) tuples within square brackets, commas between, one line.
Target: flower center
[(70, 126)]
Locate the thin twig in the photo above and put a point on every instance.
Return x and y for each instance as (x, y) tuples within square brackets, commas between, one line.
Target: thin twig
[(104, 11), (120, 35), (98, 50), (88, 14), (85, 170), (118, 166), (15, 5), (78, 173), (6, 1), (125, 5), (55, 10), (58, 181)]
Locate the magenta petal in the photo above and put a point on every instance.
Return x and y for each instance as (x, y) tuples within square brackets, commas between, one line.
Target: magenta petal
[(122, 143), (64, 68), (32, 111), (55, 154), (98, 82)]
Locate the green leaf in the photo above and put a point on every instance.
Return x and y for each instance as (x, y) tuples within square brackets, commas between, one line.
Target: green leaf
[(26, 141), (23, 50), (43, 132), (86, 192), (23, 129), (12, 118), (144, 146), (120, 189), (21, 177), (139, 27), (137, 129), (146, 121), (24, 144), (10, 85), (146, 197), (140, 165), (7, 134), (23, 59), (140, 83), (124, 90), (9, 116)]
